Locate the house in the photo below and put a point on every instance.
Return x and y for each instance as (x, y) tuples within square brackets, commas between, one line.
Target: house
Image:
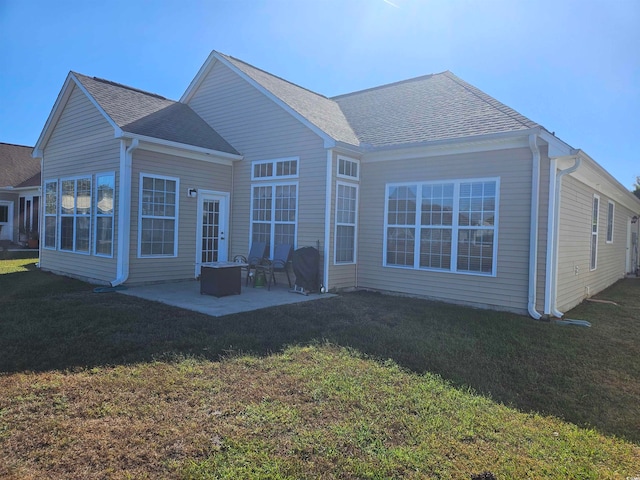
[(425, 187), (19, 193)]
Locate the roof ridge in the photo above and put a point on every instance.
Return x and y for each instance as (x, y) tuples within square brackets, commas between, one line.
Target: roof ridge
[(121, 85), (272, 75), (495, 103), (386, 85)]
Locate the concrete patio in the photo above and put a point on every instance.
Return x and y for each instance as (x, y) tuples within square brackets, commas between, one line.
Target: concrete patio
[(187, 295)]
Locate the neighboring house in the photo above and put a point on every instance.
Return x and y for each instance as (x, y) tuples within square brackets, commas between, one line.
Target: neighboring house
[(19, 193), (423, 187)]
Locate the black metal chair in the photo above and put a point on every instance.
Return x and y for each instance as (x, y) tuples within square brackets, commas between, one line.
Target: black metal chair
[(256, 256), (279, 263)]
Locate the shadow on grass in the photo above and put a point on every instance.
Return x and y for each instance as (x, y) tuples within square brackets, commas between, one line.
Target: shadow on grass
[(49, 322)]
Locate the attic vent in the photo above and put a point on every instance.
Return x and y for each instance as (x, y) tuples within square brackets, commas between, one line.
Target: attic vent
[(109, 82)]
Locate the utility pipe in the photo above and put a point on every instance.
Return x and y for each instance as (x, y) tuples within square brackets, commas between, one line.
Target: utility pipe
[(533, 229), (124, 212)]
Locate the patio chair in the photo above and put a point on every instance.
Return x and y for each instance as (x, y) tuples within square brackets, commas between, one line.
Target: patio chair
[(279, 263), (256, 255)]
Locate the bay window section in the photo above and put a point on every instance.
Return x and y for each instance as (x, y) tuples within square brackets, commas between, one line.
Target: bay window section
[(50, 213), (75, 214), (105, 189), (157, 234), (455, 224)]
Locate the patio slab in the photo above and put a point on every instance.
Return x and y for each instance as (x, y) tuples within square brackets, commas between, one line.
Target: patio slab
[(187, 295)]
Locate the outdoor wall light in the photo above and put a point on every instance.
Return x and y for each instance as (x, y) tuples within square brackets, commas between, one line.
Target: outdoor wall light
[(192, 192), (634, 219)]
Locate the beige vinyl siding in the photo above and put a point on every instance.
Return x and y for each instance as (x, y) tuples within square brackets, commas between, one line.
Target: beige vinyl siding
[(543, 224), (81, 144), (262, 130), (575, 280), (192, 174), (509, 289)]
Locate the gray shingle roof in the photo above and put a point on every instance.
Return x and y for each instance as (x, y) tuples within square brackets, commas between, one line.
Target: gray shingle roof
[(321, 111), (432, 107), (17, 167), (143, 113)]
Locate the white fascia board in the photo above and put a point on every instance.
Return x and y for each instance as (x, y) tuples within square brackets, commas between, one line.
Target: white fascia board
[(480, 143), (329, 142), (183, 150), (348, 149), (557, 148), (199, 78)]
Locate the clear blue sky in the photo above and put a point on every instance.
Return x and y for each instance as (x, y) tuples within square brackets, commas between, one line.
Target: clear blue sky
[(571, 65)]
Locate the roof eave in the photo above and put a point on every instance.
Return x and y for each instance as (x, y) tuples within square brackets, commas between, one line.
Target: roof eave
[(201, 152), (501, 140)]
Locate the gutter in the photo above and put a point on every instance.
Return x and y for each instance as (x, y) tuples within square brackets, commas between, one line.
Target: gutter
[(124, 212), (533, 230), (553, 239)]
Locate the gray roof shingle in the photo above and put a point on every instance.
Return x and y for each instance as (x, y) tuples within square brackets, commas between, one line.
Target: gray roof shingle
[(143, 113), (433, 107), (17, 167), (321, 111)]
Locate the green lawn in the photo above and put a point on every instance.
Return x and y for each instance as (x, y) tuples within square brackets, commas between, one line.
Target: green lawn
[(359, 386)]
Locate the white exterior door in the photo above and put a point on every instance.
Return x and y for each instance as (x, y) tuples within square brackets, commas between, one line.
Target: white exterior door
[(211, 236), (6, 220)]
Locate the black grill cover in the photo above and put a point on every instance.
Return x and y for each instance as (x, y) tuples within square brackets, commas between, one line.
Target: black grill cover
[(305, 268)]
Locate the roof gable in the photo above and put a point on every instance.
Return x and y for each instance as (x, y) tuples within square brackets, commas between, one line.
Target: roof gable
[(138, 113), (322, 115), (17, 167), (432, 107), (143, 113)]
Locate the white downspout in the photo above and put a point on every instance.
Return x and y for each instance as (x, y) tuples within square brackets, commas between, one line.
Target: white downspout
[(556, 237), (124, 212), (533, 235), (327, 219), (551, 217)]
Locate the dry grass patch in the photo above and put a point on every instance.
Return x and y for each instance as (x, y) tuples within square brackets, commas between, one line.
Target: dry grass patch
[(314, 412)]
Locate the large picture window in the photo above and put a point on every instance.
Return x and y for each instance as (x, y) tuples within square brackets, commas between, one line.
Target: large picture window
[(346, 212), (75, 214), (274, 214), (105, 195), (448, 226), (157, 234)]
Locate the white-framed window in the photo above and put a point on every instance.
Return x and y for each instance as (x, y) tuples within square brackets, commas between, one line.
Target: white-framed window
[(105, 202), (446, 226), (595, 214), (158, 216), (346, 221), (274, 214), (279, 168), (348, 168), (50, 214), (610, 221), (75, 214)]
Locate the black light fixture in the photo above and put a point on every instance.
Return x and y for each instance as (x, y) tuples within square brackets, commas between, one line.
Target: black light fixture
[(634, 219)]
